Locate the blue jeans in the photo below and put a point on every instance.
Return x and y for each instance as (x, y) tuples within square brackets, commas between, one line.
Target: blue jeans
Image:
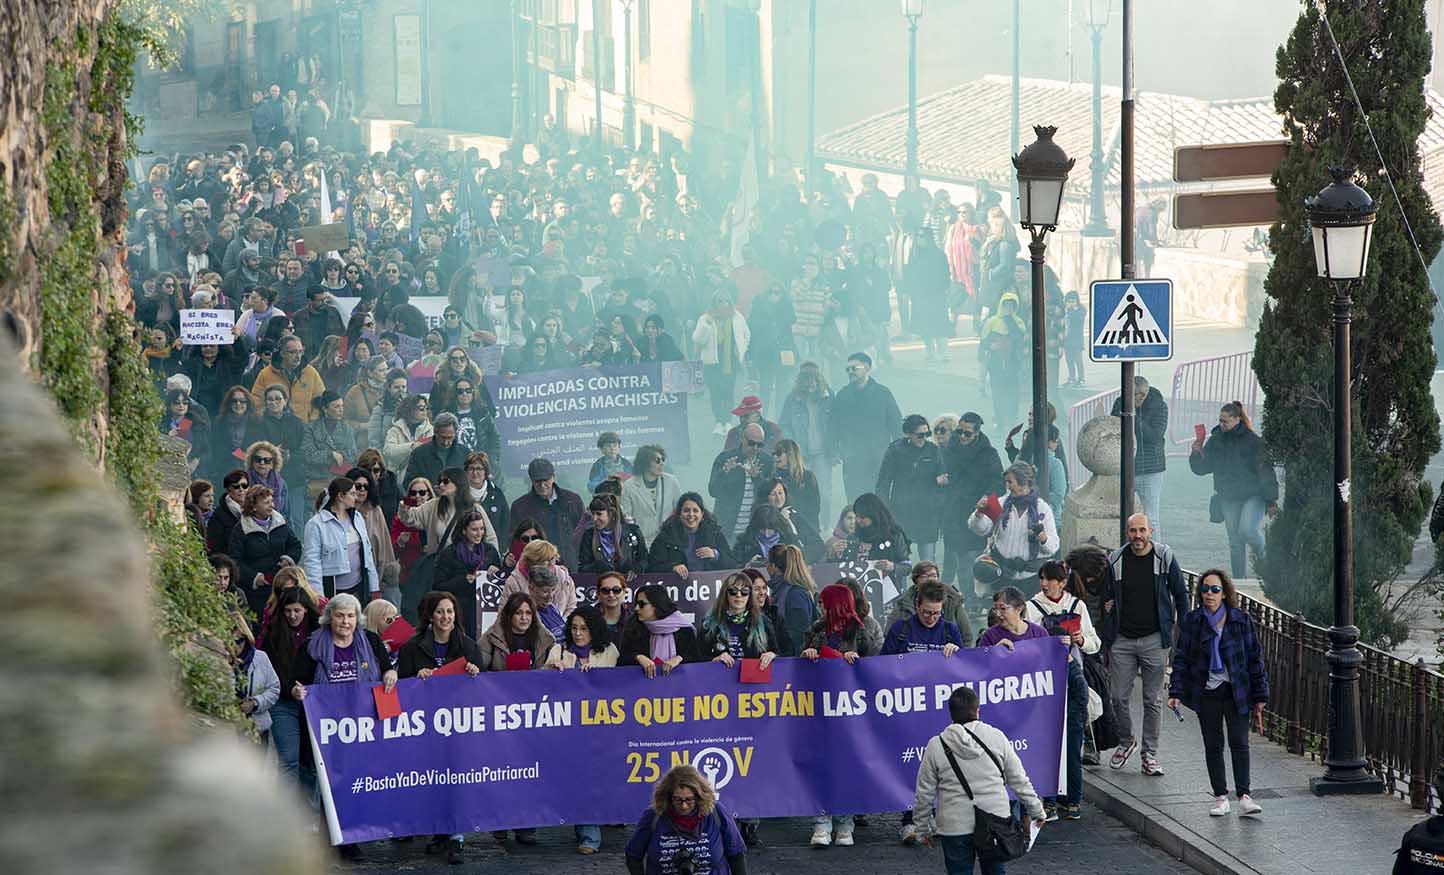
[(928, 552), (589, 835), (1073, 733), (1150, 491), (1243, 521), (958, 855), (293, 748)]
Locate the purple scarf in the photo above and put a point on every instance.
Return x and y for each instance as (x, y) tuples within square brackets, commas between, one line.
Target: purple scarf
[(1216, 620), (322, 648), (1028, 502), (469, 555), (664, 645)]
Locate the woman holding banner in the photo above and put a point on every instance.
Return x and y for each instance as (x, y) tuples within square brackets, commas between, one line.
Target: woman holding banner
[(736, 628), (658, 635), (690, 540), (794, 592), (516, 642), (340, 652), (612, 603), (840, 633), (687, 821)]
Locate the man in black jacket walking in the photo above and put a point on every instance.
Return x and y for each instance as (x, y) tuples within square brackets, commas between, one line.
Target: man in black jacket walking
[(864, 418), (975, 470)]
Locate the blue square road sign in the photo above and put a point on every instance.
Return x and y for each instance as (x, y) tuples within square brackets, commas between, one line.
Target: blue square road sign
[(1130, 320)]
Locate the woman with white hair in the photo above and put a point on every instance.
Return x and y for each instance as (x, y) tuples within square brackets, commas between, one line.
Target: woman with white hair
[(340, 652)]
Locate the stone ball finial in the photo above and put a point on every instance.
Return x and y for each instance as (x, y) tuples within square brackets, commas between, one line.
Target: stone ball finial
[(1100, 443)]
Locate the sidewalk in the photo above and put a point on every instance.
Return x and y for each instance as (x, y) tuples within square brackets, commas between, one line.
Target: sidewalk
[(1296, 833)]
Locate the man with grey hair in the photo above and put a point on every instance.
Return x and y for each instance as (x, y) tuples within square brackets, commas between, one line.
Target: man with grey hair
[(1150, 431), (444, 451)]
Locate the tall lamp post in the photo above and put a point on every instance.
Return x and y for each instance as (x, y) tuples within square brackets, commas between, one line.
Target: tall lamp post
[(1342, 219), (912, 10), (629, 107), (597, 71), (1042, 170), (1099, 11)]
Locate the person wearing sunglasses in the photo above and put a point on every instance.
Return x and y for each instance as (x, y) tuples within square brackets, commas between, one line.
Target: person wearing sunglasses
[(337, 548), (408, 540), (368, 505), (227, 513), (912, 480), (263, 467), (1219, 673), (234, 428), (612, 602), (409, 429), (658, 637), (540, 574), (736, 481)]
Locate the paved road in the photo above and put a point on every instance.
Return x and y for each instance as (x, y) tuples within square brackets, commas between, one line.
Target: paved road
[(1098, 842)]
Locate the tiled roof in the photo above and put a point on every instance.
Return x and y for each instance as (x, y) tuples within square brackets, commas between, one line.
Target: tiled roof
[(963, 132)]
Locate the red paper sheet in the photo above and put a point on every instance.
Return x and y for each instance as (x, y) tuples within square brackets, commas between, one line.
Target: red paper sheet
[(1200, 433), (1071, 625), (239, 454), (994, 510), (456, 666), (752, 673), (829, 653), (388, 705), (397, 634), (518, 662)]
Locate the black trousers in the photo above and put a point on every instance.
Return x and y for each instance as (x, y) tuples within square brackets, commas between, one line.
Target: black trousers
[(1216, 711)]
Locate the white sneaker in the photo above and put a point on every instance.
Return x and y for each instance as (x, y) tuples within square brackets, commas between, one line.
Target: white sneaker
[(908, 834), (842, 838), (821, 835), (1247, 806), (1220, 806)]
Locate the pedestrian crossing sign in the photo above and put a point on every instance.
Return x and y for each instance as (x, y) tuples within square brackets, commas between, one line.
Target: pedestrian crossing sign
[(1130, 320)]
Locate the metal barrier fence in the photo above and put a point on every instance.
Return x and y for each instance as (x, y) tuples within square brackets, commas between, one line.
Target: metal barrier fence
[(1200, 388), (1402, 705)]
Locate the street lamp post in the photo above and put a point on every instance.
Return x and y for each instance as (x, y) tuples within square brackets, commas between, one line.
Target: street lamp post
[(517, 135), (629, 107), (597, 71), (1042, 170), (912, 10), (1342, 219), (1099, 11)]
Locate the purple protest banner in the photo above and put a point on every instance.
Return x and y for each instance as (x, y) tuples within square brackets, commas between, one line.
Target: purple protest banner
[(558, 414), (545, 748)]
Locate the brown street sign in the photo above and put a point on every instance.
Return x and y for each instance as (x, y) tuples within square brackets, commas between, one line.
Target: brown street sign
[(1227, 161), (1225, 209)]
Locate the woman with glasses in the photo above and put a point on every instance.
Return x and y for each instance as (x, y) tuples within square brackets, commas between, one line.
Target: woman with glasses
[(368, 505), (652, 492), (690, 540), (233, 429), (181, 420), (540, 574), (686, 818), (1219, 673), (801, 484), (433, 516), (410, 429), (362, 322), (523, 532), (227, 513), (261, 544), (613, 543), (487, 492), (458, 365), (475, 414), (912, 481), (466, 562), (387, 492), (370, 386), (263, 468), (356, 282), (337, 546), (280, 427), (409, 540), (658, 636), (736, 628), (612, 603)]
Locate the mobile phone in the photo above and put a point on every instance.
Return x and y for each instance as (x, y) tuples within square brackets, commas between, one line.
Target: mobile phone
[(1176, 713)]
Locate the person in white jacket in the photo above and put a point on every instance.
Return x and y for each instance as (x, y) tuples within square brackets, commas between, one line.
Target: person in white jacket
[(987, 760), (1024, 536), (410, 429), (649, 496), (263, 685), (1063, 613)]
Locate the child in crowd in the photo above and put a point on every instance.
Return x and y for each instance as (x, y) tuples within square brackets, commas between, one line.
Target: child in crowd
[(611, 462)]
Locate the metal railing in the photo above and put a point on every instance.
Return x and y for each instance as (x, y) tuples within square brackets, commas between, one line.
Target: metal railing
[(1402, 704)]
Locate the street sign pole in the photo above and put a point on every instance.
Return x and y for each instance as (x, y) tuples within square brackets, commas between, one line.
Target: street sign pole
[(1125, 246)]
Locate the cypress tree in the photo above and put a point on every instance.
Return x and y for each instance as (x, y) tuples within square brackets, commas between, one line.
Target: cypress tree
[(1395, 428)]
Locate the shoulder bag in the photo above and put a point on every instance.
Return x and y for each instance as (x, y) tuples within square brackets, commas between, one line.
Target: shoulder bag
[(423, 574), (996, 838)]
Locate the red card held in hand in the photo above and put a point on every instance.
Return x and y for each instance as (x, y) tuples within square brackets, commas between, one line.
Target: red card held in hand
[(458, 666), (1071, 625), (994, 510), (518, 662), (753, 673), (397, 634), (239, 454), (1199, 432), (829, 653), (388, 705)]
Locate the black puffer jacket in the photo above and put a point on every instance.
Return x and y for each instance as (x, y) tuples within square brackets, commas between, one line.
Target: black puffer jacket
[(908, 481), (1150, 427), (1239, 464), (975, 470)]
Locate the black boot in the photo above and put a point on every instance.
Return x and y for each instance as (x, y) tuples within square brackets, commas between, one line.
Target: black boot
[(750, 836)]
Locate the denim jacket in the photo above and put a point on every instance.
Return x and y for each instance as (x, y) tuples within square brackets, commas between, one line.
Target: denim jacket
[(324, 554)]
